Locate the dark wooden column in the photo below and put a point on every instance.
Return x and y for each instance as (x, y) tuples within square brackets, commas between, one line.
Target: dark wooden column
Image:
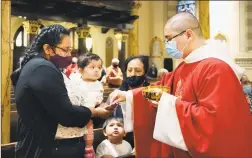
[(82, 32), (31, 27)]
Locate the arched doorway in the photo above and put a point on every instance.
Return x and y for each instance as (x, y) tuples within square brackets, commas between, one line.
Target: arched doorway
[(20, 45)]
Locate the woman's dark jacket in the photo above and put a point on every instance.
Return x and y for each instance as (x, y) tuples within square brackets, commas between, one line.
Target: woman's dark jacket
[(43, 103)]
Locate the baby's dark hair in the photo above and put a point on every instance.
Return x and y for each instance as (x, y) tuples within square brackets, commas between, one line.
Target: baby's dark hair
[(119, 119), (84, 60)]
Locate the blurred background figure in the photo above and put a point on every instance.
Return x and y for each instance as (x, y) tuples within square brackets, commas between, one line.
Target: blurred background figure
[(152, 72), (136, 69), (161, 72), (247, 88), (114, 74), (73, 67), (102, 79)]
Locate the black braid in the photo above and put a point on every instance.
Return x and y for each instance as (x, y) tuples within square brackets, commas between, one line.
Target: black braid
[(51, 35)]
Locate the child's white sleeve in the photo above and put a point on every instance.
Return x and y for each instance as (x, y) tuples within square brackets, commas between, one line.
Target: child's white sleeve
[(100, 151), (129, 148)]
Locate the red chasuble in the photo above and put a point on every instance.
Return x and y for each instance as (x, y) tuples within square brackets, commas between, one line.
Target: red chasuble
[(212, 110)]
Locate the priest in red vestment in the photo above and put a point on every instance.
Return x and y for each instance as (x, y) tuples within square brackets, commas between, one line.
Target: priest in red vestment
[(205, 114)]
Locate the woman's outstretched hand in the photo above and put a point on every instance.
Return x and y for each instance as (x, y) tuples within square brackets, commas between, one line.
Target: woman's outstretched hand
[(101, 112)]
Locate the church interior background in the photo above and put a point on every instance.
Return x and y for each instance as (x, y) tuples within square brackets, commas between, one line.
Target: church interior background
[(119, 29)]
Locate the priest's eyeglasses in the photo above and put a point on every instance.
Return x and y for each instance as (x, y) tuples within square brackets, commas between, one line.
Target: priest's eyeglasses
[(181, 33), (168, 40)]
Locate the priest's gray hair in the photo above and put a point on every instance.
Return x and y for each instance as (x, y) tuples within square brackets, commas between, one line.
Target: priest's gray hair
[(183, 21)]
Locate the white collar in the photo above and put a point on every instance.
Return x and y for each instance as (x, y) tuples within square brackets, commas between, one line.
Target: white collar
[(215, 49)]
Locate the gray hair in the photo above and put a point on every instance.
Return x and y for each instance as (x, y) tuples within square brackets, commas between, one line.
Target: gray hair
[(162, 71)]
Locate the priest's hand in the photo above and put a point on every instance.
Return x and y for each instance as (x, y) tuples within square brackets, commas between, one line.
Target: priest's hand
[(158, 92), (154, 103), (117, 96)]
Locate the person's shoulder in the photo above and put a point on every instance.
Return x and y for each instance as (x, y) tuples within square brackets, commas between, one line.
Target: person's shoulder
[(215, 63), (215, 68), (40, 66), (37, 62), (109, 68), (98, 83), (102, 145), (212, 61), (124, 142)]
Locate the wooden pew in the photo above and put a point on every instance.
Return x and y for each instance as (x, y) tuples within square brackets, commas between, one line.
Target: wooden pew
[(13, 126), (131, 155), (98, 137), (8, 150)]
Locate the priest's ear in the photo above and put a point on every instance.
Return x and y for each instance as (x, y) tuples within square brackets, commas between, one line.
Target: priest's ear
[(189, 33)]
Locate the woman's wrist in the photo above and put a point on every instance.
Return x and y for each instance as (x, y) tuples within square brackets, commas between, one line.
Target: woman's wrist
[(94, 112)]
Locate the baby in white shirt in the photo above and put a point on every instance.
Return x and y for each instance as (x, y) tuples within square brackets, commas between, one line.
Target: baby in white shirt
[(84, 91), (90, 68)]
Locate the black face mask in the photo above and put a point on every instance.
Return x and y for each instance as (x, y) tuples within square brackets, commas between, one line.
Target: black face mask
[(115, 66), (135, 81)]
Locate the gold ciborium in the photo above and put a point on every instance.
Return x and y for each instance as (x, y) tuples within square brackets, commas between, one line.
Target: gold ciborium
[(149, 92)]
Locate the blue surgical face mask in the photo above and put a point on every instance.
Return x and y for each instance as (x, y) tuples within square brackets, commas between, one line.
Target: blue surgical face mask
[(247, 89), (172, 50)]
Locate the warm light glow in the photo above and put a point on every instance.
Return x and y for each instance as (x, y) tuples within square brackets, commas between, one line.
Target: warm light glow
[(118, 36), (25, 38), (89, 43), (119, 44)]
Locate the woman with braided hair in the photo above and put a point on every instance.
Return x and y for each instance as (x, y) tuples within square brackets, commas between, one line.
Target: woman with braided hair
[(42, 99)]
